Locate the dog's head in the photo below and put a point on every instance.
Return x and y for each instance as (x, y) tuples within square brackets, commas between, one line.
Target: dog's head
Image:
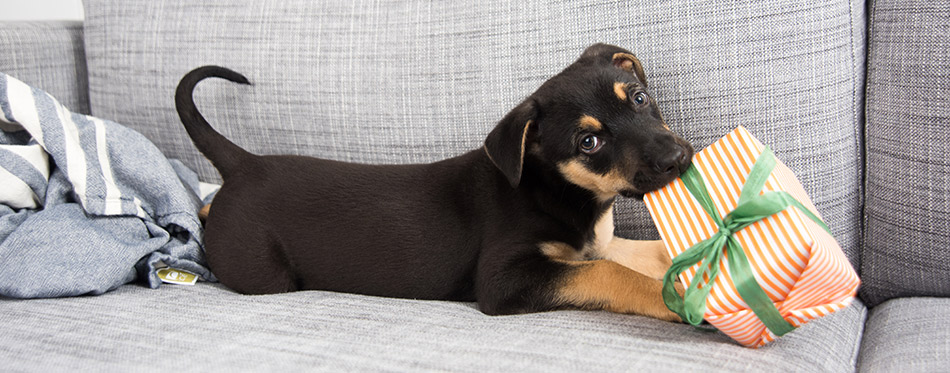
[(596, 124)]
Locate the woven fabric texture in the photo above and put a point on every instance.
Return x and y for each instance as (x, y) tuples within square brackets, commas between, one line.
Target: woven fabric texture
[(206, 327), (907, 335), (908, 139), (418, 81), (47, 55)]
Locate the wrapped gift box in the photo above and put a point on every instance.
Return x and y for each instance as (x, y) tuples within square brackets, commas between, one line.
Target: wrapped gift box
[(789, 255)]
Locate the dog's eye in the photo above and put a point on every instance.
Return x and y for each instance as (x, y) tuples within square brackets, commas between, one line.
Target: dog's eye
[(590, 144), (640, 98)]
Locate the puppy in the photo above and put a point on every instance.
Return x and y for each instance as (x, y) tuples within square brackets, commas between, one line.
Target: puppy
[(522, 224)]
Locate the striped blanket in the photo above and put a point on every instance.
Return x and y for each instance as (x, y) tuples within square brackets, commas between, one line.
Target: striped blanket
[(86, 204)]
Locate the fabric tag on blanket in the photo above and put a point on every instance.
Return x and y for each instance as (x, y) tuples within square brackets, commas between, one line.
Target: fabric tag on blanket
[(177, 276)]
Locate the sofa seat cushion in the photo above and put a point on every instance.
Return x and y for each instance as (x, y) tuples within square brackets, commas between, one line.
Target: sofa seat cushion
[(907, 335), (209, 327)]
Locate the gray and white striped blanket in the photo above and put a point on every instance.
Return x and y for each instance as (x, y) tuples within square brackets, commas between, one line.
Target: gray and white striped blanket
[(86, 204)]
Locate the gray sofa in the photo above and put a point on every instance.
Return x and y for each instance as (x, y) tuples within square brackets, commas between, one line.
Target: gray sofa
[(853, 97)]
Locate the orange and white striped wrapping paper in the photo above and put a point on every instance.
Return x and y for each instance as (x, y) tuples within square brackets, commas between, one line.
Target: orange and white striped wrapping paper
[(798, 264)]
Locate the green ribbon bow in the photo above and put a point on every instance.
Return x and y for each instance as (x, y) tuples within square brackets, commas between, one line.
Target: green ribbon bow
[(753, 206)]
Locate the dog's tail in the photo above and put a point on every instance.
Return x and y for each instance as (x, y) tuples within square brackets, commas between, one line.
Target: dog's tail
[(224, 154)]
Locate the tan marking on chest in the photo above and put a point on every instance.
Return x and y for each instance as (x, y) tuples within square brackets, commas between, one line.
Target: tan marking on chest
[(560, 251), (603, 234), (595, 249)]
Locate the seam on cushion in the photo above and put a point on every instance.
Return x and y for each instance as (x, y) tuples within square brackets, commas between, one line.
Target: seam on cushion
[(860, 121), (859, 341), (857, 133), (870, 9)]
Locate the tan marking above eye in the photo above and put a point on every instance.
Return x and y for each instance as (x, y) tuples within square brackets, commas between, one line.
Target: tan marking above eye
[(604, 186), (590, 123), (620, 89)]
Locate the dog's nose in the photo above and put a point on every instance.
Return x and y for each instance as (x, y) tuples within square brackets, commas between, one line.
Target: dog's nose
[(674, 161)]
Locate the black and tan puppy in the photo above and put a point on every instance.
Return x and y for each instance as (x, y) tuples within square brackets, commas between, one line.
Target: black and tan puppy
[(523, 224)]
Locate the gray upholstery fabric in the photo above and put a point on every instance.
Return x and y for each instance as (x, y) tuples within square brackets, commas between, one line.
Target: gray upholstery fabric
[(418, 81), (206, 327), (907, 249), (47, 55), (907, 335)]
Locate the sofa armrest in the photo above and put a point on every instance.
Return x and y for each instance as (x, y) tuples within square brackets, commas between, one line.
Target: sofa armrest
[(48, 55)]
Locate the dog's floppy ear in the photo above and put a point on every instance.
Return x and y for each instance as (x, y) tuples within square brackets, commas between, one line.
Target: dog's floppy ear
[(619, 57), (506, 143), (629, 63)]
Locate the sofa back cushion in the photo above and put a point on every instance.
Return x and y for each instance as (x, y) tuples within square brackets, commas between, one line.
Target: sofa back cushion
[(47, 55), (417, 81), (907, 249)]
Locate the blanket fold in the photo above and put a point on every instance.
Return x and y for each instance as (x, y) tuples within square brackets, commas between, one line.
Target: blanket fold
[(86, 204)]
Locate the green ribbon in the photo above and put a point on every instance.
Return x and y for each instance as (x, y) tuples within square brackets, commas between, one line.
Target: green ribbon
[(753, 206)]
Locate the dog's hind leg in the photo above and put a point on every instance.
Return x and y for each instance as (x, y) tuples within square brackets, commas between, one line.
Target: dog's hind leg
[(249, 261)]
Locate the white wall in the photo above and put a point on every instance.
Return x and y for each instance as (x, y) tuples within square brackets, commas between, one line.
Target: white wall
[(39, 10)]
